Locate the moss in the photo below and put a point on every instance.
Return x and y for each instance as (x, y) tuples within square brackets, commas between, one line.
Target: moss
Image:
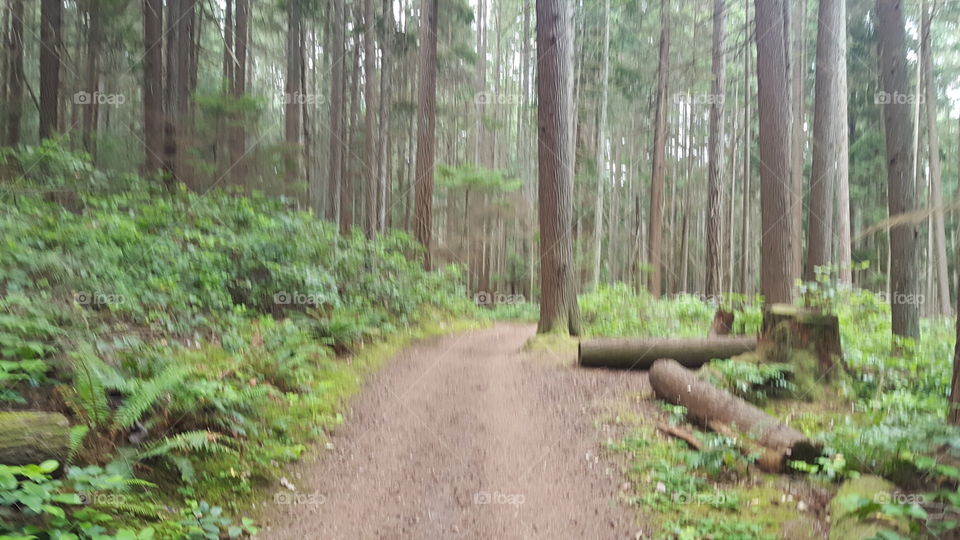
[(847, 524), (554, 342)]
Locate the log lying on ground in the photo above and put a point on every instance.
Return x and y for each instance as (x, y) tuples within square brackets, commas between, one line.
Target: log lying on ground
[(33, 437), (641, 353), (711, 406)]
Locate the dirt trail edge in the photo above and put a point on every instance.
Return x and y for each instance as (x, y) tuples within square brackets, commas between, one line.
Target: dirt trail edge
[(466, 437)]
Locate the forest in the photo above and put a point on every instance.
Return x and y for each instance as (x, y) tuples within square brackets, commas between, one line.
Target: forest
[(479, 269)]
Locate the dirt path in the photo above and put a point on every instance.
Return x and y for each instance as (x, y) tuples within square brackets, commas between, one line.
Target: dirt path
[(466, 437)]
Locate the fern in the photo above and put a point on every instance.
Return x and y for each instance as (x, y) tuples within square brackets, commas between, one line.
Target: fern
[(77, 435), (143, 394), (89, 396), (188, 441)]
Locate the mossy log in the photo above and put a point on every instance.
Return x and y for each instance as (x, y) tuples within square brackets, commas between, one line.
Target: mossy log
[(711, 406), (33, 437), (847, 524), (642, 353)]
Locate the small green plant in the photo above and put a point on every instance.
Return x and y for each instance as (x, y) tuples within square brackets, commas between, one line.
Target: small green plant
[(753, 381)]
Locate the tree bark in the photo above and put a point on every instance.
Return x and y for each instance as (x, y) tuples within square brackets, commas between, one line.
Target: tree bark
[(51, 26), (655, 228), (798, 67), (337, 150), (829, 133), (933, 150), (602, 157), (15, 72), (714, 181), (709, 405), (369, 93), (293, 91), (386, 71), (901, 193), (633, 353), (558, 300), (238, 140), (28, 437), (776, 242), (746, 247), (153, 85), (426, 127)]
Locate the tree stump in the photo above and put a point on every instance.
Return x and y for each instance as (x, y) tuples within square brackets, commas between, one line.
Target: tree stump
[(787, 327)]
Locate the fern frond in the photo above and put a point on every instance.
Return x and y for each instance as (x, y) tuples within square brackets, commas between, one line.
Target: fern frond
[(146, 393), (188, 441), (77, 435)]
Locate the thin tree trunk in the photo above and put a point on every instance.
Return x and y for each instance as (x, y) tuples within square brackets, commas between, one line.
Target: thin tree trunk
[(798, 65), (293, 91), (92, 83), (337, 150), (715, 181), (746, 249), (383, 187), (241, 35), (15, 72), (370, 98), (51, 26), (426, 127), (936, 189), (602, 156), (829, 133), (655, 234), (153, 84), (901, 193)]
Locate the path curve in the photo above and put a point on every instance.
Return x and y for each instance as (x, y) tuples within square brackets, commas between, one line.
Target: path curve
[(465, 436)]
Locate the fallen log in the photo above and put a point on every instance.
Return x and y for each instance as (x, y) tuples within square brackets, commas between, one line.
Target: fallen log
[(641, 353), (711, 406), (28, 437)]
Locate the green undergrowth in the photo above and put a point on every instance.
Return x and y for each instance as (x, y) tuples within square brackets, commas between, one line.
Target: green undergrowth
[(196, 344), (688, 495)]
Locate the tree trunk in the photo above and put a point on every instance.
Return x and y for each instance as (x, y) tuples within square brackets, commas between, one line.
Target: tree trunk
[(369, 93), (798, 66), (632, 353), (601, 155), (655, 228), (15, 72), (386, 71), (153, 85), (746, 248), (901, 193), (337, 150), (776, 251), (708, 405), (936, 189), (28, 437), (715, 182), (91, 85), (829, 133), (558, 299), (293, 91), (51, 26), (239, 144), (426, 127)]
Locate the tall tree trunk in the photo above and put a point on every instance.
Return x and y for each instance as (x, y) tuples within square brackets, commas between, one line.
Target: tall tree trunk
[(558, 299), (293, 91), (936, 189), (602, 156), (153, 85), (746, 248), (15, 72), (901, 193), (798, 67), (715, 182), (383, 187), (239, 143), (829, 133), (655, 233), (92, 83), (337, 150), (51, 27), (776, 243), (426, 127), (370, 97)]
